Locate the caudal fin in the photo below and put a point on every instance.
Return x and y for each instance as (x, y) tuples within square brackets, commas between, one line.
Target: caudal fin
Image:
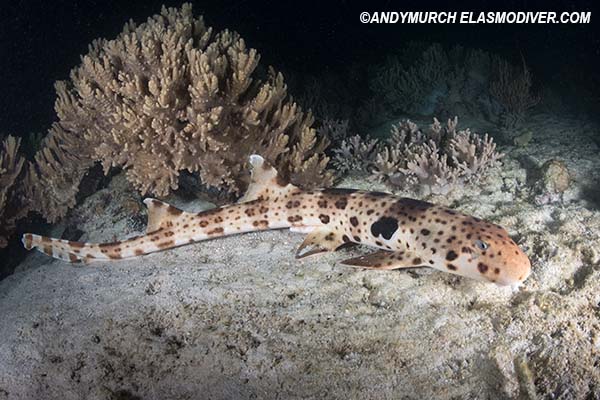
[(57, 248), (162, 217)]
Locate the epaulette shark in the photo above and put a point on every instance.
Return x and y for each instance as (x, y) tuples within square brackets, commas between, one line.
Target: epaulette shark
[(407, 233)]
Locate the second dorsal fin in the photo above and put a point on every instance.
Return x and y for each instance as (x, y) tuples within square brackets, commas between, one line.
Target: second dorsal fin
[(160, 214), (264, 179)]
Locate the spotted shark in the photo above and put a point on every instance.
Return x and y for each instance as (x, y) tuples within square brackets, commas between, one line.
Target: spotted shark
[(407, 233)]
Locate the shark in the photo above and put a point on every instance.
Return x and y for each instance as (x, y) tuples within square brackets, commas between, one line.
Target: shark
[(404, 232)]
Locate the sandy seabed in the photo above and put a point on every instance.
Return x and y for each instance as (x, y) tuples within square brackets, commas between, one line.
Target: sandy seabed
[(241, 318)]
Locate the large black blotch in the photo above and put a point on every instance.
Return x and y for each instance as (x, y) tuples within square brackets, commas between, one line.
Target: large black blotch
[(385, 226)]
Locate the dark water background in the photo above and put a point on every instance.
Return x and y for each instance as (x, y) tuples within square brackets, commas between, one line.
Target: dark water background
[(41, 41)]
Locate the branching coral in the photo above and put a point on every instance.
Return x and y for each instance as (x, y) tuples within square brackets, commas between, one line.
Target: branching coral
[(52, 181), (512, 89), (335, 130), (170, 95), (11, 167), (434, 161), (431, 80), (355, 154), (437, 160), (407, 86)]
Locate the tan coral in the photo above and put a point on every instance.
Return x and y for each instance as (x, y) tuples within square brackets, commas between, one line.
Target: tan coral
[(434, 161), (11, 167), (512, 89), (52, 181), (170, 95)]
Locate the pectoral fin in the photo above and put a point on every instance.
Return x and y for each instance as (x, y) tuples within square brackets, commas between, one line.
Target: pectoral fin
[(319, 241), (382, 259)]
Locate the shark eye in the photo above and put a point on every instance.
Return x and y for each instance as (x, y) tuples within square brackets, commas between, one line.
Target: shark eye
[(481, 245)]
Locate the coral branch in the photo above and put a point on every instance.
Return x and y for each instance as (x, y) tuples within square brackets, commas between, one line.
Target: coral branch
[(512, 89), (435, 161), (11, 167)]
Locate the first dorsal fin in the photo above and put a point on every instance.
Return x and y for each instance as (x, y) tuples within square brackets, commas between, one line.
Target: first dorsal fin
[(264, 179), (160, 214)]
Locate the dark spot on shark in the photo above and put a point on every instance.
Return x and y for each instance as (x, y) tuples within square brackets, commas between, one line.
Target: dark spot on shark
[(110, 244), (341, 203), (324, 218), (451, 256), (174, 211), (261, 224), (293, 204), (295, 218), (482, 267), (215, 231), (281, 181), (354, 221), (385, 226)]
